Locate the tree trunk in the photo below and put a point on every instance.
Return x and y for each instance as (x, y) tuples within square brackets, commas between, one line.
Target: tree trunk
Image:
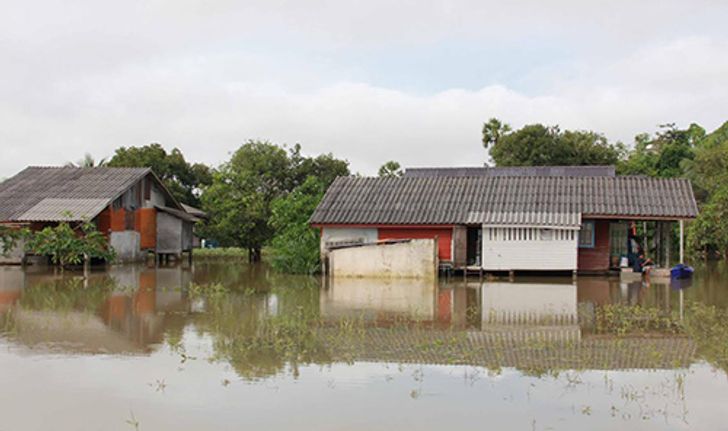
[(254, 255)]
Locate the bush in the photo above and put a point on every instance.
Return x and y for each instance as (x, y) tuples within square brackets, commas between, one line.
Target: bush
[(295, 245)]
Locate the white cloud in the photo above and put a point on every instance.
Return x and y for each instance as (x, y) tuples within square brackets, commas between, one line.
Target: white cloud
[(205, 79)]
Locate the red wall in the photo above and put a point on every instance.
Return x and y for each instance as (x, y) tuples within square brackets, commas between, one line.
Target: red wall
[(597, 258), (443, 243)]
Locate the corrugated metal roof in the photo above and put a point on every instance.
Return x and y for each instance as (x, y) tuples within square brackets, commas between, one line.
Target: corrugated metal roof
[(53, 209), (178, 213), (516, 171), (453, 200), (534, 219), (34, 184)]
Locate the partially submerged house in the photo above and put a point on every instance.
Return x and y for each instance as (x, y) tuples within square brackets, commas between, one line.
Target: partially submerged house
[(506, 219), (131, 206)]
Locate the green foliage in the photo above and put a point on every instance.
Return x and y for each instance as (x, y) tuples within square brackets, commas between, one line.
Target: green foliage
[(665, 155), (184, 180), (68, 246), (539, 145), (88, 161), (295, 246), (709, 232), (243, 190), (706, 324), (232, 253), (9, 238), (391, 169)]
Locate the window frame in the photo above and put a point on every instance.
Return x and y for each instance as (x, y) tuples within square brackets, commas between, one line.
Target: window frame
[(592, 242)]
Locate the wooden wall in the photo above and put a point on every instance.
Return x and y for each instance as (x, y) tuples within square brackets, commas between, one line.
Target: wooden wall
[(597, 258)]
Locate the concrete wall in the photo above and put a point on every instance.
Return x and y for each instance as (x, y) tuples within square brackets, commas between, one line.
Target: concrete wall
[(14, 256), (524, 249), (169, 233), (332, 235), (412, 259), (127, 245)]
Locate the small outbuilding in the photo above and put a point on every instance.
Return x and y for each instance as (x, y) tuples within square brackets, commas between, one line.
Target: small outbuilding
[(131, 206), (510, 219)]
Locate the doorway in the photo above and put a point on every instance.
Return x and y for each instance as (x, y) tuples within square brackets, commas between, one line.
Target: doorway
[(474, 246)]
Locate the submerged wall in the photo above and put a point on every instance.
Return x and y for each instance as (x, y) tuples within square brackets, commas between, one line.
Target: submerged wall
[(127, 245), (411, 259)]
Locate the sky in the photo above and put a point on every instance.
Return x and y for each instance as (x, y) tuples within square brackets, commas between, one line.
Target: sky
[(368, 81)]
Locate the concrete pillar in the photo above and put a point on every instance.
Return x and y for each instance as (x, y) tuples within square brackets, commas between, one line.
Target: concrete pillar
[(682, 245)]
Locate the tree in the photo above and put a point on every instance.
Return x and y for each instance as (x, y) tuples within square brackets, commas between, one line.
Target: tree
[(666, 155), (295, 245), (88, 161), (710, 231), (239, 199), (539, 145), (325, 167), (493, 130), (391, 169), (184, 180)]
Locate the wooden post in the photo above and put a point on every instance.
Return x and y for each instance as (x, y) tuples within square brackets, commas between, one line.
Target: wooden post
[(86, 264), (645, 246), (668, 243), (682, 246)]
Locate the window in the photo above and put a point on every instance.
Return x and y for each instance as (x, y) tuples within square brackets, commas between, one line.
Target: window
[(586, 235)]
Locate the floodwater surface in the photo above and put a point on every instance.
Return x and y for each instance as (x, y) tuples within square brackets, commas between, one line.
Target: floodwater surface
[(228, 346)]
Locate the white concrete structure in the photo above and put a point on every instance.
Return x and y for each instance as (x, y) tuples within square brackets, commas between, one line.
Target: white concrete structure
[(332, 236), (530, 248), (408, 259)]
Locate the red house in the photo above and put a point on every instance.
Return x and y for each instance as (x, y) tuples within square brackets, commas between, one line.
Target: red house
[(511, 219)]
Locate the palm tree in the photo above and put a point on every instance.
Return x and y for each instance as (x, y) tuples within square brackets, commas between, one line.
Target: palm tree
[(87, 162)]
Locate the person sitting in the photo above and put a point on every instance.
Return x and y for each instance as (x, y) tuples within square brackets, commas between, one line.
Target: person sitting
[(642, 264)]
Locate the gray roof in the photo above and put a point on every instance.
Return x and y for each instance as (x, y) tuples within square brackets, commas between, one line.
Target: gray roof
[(54, 209), (39, 193), (461, 200), (515, 171), (184, 215)]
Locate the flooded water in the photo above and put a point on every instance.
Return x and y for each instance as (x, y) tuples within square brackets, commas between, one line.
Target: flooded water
[(230, 346)]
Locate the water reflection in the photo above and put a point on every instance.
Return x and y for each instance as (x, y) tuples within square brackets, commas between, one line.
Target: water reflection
[(531, 324), (214, 325)]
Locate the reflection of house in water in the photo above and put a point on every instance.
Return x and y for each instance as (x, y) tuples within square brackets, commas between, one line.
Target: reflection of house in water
[(11, 286), (379, 298), (130, 316), (530, 326)]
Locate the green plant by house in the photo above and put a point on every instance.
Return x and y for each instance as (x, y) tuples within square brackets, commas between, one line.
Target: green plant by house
[(70, 246)]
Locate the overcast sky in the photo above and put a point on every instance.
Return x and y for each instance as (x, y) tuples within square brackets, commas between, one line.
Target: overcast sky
[(369, 80)]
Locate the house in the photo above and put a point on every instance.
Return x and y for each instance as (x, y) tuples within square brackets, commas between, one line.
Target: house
[(131, 206), (508, 219)]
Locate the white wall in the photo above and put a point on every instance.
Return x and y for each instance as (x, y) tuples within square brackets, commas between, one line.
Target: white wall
[(411, 259), (506, 249)]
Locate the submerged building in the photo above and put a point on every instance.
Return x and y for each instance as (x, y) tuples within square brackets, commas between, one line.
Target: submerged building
[(508, 219), (131, 206)]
